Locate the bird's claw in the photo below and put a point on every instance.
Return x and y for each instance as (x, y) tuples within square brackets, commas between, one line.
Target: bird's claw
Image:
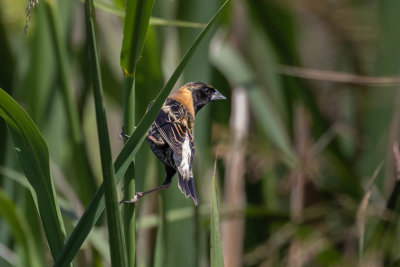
[(123, 136), (133, 200)]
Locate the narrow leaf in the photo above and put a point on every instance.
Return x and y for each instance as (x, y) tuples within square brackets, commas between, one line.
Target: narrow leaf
[(123, 160), (33, 156), (135, 27), (114, 219)]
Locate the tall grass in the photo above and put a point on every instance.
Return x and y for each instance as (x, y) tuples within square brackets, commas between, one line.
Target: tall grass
[(307, 170)]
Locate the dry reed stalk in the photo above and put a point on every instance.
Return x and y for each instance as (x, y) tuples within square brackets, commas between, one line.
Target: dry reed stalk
[(234, 189)]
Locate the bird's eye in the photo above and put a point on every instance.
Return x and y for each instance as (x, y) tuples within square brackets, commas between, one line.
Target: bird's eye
[(207, 90)]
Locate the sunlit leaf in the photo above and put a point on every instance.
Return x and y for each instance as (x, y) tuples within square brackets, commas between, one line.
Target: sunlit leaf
[(135, 27), (33, 156)]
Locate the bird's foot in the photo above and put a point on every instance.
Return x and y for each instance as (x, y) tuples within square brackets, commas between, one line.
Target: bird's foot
[(133, 200), (123, 136)]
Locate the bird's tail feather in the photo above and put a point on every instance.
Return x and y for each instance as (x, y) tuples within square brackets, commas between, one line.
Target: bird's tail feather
[(187, 187)]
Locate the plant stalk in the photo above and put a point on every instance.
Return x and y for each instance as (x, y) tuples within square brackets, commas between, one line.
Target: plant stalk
[(129, 180), (114, 219)]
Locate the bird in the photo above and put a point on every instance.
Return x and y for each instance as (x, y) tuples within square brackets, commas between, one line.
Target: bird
[(171, 136)]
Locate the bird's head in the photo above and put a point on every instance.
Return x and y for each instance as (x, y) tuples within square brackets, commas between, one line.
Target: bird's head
[(202, 94)]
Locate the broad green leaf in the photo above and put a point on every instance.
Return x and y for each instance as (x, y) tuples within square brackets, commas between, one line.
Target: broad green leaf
[(114, 219), (217, 258), (123, 160), (33, 156), (229, 62), (135, 28)]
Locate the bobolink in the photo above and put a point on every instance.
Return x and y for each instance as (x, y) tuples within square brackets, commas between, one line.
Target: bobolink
[(171, 135)]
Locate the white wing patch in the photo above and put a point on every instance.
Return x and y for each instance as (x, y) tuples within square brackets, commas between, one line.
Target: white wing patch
[(184, 166)]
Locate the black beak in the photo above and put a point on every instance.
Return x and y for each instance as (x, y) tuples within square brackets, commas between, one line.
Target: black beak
[(217, 95)]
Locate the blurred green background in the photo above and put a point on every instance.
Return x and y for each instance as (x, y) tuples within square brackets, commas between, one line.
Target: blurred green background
[(303, 146)]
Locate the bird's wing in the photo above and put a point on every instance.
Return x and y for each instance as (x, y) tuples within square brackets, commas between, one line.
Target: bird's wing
[(175, 126)]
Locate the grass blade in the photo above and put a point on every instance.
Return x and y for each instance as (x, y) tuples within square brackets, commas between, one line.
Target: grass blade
[(33, 156), (123, 160), (135, 27), (217, 258), (114, 219), (129, 178), (136, 23)]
